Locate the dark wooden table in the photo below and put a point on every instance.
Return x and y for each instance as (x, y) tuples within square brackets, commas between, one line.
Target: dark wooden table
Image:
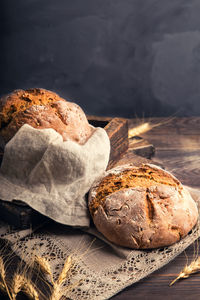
[(177, 144)]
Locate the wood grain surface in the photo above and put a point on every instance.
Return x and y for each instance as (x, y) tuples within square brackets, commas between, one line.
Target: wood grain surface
[(117, 130), (177, 144)]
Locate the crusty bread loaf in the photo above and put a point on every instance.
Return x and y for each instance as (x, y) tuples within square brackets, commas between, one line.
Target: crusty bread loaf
[(141, 207), (41, 108)]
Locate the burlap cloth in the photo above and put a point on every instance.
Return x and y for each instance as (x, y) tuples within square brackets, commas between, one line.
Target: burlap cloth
[(51, 175), (101, 269)]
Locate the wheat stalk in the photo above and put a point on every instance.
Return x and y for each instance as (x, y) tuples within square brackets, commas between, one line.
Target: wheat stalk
[(193, 268)]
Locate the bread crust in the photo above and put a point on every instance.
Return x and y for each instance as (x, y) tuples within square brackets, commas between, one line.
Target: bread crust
[(41, 109), (155, 211)]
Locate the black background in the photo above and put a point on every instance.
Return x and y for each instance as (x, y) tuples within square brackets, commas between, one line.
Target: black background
[(113, 57)]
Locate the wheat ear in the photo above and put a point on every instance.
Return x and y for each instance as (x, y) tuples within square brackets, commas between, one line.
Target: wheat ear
[(139, 129), (17, 284), (44, 265), (3, 277), (22, 283), (144, 127), (2, 287), (30, 290), (65, 270), (193, 268), (57, 294)]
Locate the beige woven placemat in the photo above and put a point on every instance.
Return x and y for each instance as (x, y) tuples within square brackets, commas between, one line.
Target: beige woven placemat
[(100, 269)]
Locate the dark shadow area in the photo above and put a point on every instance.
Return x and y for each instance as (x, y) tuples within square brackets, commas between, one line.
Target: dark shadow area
[(113, 58)]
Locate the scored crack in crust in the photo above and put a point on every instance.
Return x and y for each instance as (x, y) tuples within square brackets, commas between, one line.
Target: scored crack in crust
[(141, 207), (143, 176), (41, 109)]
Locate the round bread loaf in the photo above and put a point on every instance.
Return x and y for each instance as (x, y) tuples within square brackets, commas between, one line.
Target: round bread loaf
[(41, 109), (141, 207)]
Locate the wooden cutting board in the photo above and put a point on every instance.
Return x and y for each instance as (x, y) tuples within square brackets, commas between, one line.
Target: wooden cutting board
[(123, 150)]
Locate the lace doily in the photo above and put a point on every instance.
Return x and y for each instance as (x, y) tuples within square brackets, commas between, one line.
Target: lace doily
[(100, 269)]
